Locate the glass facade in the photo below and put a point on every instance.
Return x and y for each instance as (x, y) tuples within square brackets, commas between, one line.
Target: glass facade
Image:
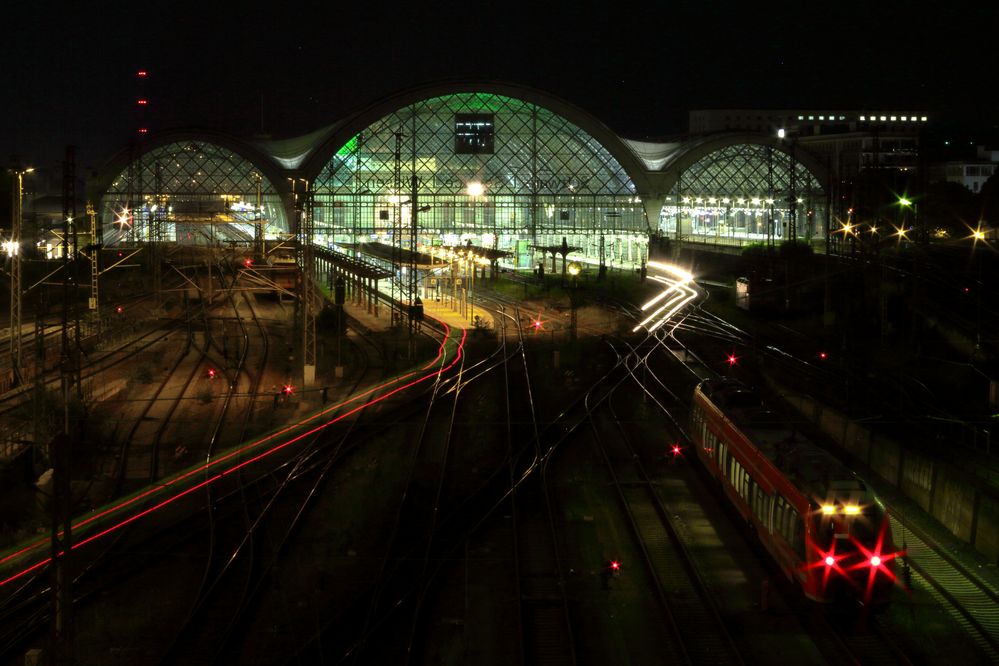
[(497, 171), (743, 193), (177, 191)]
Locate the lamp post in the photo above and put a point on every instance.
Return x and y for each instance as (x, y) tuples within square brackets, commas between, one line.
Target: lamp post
[(13, 250), (574, 270)]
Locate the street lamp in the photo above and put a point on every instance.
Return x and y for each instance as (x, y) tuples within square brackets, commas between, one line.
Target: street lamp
[(905, 202)]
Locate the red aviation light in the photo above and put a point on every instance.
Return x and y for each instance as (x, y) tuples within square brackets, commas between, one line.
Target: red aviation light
[(119, 309)]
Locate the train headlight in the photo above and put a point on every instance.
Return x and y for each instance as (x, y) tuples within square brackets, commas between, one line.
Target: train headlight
[(851, 510), (828, 509)]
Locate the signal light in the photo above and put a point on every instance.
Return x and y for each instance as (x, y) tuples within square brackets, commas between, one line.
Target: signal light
[(287, 390), (830, 560), (823, 355), (537, 324), (966, 290), (248, 262), (119, 309), (211, 373), (675, 450), (875, 561), (732, 359)]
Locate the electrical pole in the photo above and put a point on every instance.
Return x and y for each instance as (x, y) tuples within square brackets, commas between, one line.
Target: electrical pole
[(14, 252), (308, 296)]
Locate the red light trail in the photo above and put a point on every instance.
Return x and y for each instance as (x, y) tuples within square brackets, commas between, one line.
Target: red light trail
[(167, 484)]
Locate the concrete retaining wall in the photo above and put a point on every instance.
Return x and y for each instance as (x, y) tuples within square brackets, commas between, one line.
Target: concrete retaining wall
[(960, 503)]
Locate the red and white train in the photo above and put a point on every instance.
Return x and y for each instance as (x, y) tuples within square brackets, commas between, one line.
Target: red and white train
[(823, 526)]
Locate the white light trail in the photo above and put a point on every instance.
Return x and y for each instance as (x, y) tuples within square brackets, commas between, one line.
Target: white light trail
[(678, 293)]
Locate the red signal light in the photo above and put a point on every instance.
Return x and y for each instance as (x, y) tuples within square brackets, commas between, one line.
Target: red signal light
[(615, 565), (875, 561), (732, 359), (823, 355), (830, 560), (211, 373), (248, 262), (287, 390), (675, 450), (119, 309)]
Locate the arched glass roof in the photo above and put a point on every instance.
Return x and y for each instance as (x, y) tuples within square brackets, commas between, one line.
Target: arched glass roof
[(747, 191), (530, 151), (171, 189)]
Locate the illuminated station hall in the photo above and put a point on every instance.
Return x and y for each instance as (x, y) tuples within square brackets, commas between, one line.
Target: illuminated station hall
[(506, 175)]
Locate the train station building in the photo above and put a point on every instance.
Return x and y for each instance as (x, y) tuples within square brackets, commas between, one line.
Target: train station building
[(495, 166)]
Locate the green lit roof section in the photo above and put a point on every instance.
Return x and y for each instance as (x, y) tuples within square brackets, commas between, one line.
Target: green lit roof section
[(536, 152)]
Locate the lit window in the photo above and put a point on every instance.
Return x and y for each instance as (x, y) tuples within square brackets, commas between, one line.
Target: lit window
[(473, 134)]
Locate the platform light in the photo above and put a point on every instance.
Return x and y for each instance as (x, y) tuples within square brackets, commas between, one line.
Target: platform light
[(475, 189), (781, 133)]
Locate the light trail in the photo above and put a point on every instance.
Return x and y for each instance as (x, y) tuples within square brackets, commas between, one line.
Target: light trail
[(168, 484), (678, 292)]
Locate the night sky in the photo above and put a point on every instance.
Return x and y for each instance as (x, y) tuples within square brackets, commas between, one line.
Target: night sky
[(68, 76)]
